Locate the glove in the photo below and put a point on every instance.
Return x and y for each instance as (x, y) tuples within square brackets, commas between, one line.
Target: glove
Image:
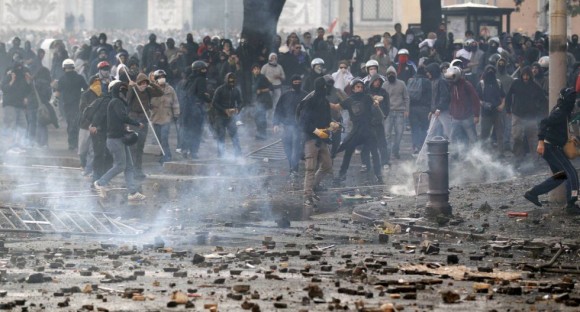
[(321, 133), (334, 126)]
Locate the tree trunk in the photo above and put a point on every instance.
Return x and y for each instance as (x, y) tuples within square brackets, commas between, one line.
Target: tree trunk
[(430, 15), (258, 30)]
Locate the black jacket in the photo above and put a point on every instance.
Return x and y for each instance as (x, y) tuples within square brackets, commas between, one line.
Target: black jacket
[(225, 97), (118, 116), (440, 96), (15, 94), (70, 86), (285, 112), (526, 99), (554, 128), (99, 117), (314, 112)]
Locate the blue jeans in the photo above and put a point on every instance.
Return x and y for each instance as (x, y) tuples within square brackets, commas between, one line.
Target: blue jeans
[(557, 161), (395, 122), (162, 132), (122, 162), (292, 146), (463, 127)]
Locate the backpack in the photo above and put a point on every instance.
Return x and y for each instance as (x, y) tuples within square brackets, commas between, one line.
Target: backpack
[(90, 111), (415, 89)]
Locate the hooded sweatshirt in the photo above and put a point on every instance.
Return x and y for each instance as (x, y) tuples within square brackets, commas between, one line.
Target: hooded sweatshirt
[(152, 90), (464, 100), (398, 95), (274, 72), (440, 96), (526, 99), (554, 128)]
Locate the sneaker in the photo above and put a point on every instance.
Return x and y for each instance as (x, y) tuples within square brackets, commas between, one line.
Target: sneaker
[(363, 168), (178, 150), (533, 198), (572, 209), (136, 197), (101, 190)]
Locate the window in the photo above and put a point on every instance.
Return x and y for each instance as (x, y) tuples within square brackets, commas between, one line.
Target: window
[(377, 10)]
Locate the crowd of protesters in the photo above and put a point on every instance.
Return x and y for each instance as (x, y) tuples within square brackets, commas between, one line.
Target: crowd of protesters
[(326, 95)]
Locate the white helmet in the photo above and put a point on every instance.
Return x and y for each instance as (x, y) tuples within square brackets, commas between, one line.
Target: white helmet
[(112, 84), (317, 61), (371, 63), (403, 52), (493, 39), (544, 61), (379, 45), (68, 64)]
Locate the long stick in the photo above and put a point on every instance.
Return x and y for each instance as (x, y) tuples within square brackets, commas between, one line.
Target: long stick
[(145, 112)]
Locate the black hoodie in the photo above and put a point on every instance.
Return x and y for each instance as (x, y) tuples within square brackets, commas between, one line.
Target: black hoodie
[(118, 115), (440, 96), (526, 99), (314, 110), (554, 128)]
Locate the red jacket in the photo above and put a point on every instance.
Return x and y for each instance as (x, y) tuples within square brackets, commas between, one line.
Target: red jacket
[(578, 84), (464, 100)]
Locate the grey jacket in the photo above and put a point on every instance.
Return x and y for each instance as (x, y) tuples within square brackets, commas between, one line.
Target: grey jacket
[(398, 94)]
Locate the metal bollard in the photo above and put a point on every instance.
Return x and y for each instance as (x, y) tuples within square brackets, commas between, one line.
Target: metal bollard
[(438, 162)]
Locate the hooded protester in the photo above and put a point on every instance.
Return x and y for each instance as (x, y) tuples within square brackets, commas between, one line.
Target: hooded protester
[(399, 110), (141, 92), (314, 120), (192, 47), (117, 119), (149, 50), (285, 120), (360, 109), (540, 75), (262, 101), (275, 74), (98, 87), (193, 112), (16, 48), (380, 112), (492, 48), (506, 81), (102, 45), (164, 111), (225, 106), (492, 97), (335, 96), (526, 103), (420, 95), (40, 95), (552, 136), (16, 87)]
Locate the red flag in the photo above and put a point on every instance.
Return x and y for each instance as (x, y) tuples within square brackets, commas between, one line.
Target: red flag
[(332, 25)]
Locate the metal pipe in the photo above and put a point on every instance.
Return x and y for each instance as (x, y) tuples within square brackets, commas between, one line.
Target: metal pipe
[(351, 18), (438, 162)]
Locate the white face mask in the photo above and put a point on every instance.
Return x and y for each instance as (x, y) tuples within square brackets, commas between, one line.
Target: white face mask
[(318, 69), (161, 81), (343, 70), (372, 71)]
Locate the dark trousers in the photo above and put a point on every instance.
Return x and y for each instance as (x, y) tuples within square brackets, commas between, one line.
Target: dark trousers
[(223, 125), (292, 146), (261, 121), (72, 127), (369, 143), (103, 160), (137, 148), (557, 161), (381, 146), (419, 126), (193, 130)]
